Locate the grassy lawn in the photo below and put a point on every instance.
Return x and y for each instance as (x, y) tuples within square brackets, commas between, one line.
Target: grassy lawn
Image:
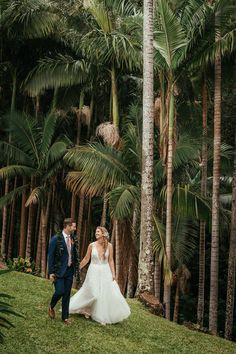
[(141, 333)]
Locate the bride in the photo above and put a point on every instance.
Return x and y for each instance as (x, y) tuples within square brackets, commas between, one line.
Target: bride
[(100, 295)]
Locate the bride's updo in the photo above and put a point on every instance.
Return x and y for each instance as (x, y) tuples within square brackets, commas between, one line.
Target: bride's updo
[(105, 235)]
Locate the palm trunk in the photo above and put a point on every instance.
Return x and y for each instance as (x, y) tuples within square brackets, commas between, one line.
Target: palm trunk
[(28, 253), (115, 110), (5, 208), (23, 223), (231, 262), (78, 127), (157, 277), (39, 248), (117, 253), (104, 209), (145, 278), (12, 224), (201, 285), (80, 222), (91, 115), (131, 286), (176, 309), (73, 205), (169, 192), (44, 222), (4, 224), (213, 310)]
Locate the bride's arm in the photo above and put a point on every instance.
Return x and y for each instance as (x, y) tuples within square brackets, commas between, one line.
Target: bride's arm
[(111, 261), (86, 259)]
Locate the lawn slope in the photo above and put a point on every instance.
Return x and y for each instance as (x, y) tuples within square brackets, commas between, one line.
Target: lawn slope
[(141, 333)]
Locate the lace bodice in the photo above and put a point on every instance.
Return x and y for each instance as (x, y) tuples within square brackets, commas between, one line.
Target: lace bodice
[(95, 259)]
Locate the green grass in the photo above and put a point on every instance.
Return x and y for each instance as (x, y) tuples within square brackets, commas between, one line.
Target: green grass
[(141, 333)]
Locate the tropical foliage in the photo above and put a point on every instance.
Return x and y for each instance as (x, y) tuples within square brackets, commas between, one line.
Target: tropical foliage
[(122, 113)]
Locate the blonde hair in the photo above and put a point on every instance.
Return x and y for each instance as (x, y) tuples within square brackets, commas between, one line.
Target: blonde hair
[(105, 236)]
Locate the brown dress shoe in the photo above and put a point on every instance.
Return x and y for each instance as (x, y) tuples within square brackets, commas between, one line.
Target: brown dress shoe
[(67, 322), (51, 313)]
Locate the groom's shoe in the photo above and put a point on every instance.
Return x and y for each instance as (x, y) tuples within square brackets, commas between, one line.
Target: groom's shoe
[(67, 322), (51, 313)]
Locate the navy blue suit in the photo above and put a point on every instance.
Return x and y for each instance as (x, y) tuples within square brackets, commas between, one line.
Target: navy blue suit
[(58, 265)]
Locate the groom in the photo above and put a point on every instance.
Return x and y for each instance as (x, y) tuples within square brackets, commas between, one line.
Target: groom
[(62, 265)]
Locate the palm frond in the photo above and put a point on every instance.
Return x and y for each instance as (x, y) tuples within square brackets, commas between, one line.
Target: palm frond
[(184, 240), (30, 18), (25, 134), (37, 195), (56, 72), (9, 197), (159, 249), (16, 170), (122, 200), (56, 152), (47, 135), (188, 203), (100, 167), (100, 14), (223, 46), (170, 37), (14, 154)]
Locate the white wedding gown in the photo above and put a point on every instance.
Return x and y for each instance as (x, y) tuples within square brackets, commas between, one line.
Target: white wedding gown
[(100, 296)]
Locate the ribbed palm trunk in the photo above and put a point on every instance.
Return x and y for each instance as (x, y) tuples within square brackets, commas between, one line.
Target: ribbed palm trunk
[(104, 210), (169, 192), (23, 223), (4, 224), (157, 278), (213, 311), (230, 300), (12, 225), (39, 247), (177, 298), (78, 128), (145, 278), (5, 208), (80, 222), (114, 98), (201, 282), (91, 115), (30, 231), (118, 265), (44, 227), (132, 272)]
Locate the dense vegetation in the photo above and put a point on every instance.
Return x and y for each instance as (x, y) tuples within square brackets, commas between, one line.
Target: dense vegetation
[(77, 131)]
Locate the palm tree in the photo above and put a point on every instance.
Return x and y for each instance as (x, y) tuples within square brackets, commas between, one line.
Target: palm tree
[(145, 279), (201, 286), (179, 27), (221, 12), (120, 175), (231, 261), (35, 152), (113, 40)]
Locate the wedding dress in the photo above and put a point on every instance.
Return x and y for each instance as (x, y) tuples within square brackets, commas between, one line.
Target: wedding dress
[(100, 296)]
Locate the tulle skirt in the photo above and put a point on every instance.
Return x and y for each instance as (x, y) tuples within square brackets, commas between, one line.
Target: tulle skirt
[(100, 297)]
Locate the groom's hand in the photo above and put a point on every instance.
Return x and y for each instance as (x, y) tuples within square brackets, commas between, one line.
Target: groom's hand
[(52, 278)]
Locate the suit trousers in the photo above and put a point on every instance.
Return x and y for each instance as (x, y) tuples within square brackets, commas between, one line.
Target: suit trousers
[(63, 287)]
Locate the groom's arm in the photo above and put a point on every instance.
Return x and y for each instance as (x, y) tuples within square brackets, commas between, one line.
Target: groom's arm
[(51, 255)]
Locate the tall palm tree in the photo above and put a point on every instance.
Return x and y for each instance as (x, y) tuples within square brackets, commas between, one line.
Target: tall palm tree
[(145, 279), (201, 286), (231, 261), (113, 40)]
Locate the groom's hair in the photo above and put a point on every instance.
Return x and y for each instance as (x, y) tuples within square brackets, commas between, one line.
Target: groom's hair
[(68, 221)]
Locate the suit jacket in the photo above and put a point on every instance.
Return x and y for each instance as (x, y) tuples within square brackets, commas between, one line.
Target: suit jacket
[(58, 255)]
